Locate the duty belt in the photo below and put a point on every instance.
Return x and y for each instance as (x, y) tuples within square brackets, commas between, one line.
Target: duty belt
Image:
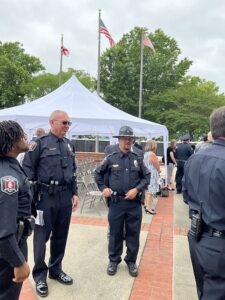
[(117, 198), (214, 232), (57, 188)]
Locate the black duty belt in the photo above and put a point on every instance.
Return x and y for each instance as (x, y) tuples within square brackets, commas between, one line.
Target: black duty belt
[(214, 232), (57, 188), (117, 198)]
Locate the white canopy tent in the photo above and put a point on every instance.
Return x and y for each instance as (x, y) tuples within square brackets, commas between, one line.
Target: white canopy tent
[(89, 113)]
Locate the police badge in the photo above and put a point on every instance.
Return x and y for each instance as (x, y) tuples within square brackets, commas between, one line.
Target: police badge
[(135, 163)]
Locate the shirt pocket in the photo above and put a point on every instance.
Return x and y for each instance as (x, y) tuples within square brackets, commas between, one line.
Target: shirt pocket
[(116, 173), (134, 173), (51, 157)]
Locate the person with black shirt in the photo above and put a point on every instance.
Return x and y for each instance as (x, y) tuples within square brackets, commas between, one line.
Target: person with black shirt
[(15, 211), (50, 162), (183, 152), (127, 179), (171, 162), (203, 191)]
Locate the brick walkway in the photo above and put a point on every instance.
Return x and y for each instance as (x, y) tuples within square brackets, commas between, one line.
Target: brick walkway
[(156, 266)]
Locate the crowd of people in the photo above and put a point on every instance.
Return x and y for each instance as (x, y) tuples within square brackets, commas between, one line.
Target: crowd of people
[(38, 192)]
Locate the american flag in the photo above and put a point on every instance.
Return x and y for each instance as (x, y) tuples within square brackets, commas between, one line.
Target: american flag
[(105, 31), (64, 51), (147, 42)]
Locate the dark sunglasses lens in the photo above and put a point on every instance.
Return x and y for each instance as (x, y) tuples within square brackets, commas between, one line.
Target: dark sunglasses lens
[(67, 123)]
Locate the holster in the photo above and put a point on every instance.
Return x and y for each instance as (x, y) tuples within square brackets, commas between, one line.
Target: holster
[(25, 227), (35, 188)]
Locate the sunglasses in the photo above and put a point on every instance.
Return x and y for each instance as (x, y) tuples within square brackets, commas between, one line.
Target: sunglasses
[(67, 123)]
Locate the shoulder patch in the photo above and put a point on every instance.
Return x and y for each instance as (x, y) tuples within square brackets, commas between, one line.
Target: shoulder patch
[(9, 185), (32, 146)]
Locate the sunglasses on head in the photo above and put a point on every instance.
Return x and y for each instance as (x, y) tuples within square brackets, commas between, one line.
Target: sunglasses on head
[(67, 123)]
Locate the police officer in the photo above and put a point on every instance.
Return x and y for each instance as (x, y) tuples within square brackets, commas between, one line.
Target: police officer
[(127, 179), (51, 163), (203, 190), (15, 211), (183, 152)]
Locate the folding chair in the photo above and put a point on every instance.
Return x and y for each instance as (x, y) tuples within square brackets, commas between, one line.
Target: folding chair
[(92, 192)]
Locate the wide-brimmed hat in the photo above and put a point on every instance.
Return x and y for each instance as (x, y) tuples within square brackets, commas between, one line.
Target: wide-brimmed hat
[(125, 131)]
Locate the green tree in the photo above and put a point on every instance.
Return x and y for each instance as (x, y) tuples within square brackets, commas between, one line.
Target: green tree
[(43, 84), (186, 108), (16, 69), (120, 69)]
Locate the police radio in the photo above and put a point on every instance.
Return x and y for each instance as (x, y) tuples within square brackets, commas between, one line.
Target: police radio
[(196, 225)]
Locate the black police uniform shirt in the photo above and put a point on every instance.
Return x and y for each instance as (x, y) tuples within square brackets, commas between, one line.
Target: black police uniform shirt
[(126, 171), (15, 201), (51, 159), (183, 152), (204, 182), (115, 148)]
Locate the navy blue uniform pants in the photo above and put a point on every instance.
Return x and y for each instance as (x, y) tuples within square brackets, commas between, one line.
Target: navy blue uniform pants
[(10, 290), (128, 213), (179, 176), (208, 261), (57, 211)]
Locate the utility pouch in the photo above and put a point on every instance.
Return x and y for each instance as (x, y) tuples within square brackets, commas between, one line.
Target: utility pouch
[(196, 227)]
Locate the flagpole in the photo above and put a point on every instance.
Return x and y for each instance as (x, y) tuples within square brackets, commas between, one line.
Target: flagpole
[(99, 44), (141, 77), (61, 55)]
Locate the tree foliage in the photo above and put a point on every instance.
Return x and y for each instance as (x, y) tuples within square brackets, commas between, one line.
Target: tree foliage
[(120, 69), (16, 69), (186, 108)]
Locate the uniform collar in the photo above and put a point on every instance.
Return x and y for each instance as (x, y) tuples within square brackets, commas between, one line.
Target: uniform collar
[(122, 154), (56, 138), (219, 142)]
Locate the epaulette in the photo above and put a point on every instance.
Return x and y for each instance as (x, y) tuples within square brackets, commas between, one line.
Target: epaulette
[(42, 137), (114, 152)]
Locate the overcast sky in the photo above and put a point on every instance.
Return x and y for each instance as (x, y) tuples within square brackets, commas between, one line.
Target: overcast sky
[(197, 25)]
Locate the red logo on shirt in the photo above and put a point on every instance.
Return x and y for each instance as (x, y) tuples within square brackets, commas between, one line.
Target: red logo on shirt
[(9, 185)]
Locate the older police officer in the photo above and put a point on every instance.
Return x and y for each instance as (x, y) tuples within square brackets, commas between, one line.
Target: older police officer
[(15, 211), (127, 179), (51, 163), (204, 191)]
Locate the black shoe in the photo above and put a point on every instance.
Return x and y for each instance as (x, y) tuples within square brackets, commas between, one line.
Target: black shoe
[(151, 212), (62, 278), (133, 270), (42, 288), (112, 268), (178, 192)]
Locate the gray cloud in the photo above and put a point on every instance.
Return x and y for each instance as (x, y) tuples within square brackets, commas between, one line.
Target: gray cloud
[(197, 26)]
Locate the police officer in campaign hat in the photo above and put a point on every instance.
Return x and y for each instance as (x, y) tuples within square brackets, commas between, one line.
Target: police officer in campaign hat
[(183, 152), (50, 163), (16, 222), (204, 191), (127, 179)]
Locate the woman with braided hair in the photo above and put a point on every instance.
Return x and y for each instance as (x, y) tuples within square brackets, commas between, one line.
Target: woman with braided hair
[(15, 211)]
